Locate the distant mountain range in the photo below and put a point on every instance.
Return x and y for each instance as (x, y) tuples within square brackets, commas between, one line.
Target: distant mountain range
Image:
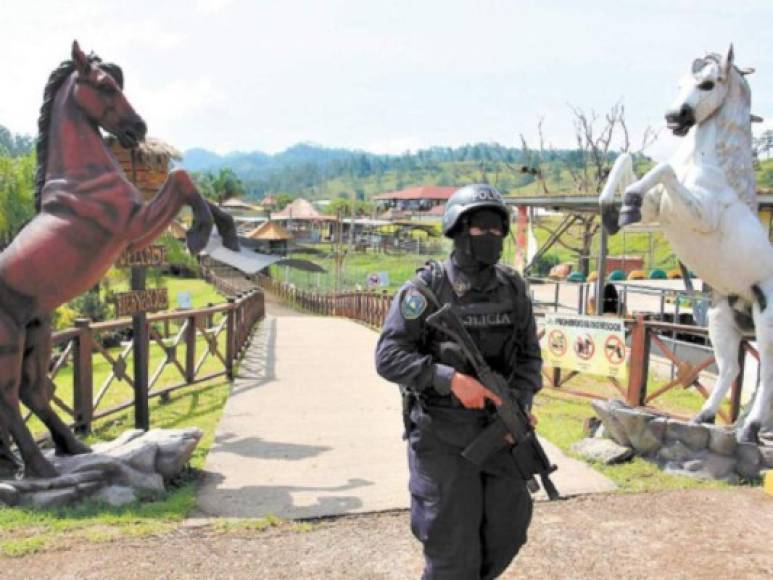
[(256, 164)]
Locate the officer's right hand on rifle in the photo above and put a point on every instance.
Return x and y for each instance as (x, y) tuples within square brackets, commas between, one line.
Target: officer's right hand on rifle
[(471, 394)]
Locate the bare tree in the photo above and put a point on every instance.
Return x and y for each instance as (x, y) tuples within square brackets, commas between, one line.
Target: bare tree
[(599, 139), (533, 161)]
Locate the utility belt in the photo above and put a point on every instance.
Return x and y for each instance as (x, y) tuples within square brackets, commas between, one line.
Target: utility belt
[(445, 416)]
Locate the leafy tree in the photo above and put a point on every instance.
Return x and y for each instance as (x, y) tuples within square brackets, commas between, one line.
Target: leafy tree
[(283, 200), (16, 194), (15, 145), (227, 184), (90, 305)]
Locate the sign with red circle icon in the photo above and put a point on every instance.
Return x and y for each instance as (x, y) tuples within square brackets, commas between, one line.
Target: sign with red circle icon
[(588, 344)]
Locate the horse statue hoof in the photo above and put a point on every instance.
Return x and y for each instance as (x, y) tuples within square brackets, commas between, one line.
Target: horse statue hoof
[(609, 218), (704, 418), (749, 433), (629, 215)]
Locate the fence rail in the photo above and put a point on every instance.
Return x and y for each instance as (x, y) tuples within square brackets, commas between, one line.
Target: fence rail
[(647, 339), (224, 330), (369, 307)]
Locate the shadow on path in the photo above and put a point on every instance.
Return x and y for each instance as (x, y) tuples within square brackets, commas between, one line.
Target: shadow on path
[(259, 363), (255, 501), (261, 449)]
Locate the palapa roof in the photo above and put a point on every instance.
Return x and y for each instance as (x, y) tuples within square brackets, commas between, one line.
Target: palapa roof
[(152, 152), (298, 209), (236, 203), (420, 192), (271, 231)]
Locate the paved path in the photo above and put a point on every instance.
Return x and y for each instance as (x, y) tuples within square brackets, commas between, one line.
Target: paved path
[(310, 430)]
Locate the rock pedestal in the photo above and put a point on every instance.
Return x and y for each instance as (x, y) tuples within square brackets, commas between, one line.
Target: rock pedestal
[(702, 451), (136, 465)]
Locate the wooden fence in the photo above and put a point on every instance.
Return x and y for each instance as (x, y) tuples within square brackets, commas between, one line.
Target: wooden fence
[(224, 328), (369, 307), (647, 339)]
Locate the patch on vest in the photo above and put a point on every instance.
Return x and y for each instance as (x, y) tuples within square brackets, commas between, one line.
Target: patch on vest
[(413, 305), (487, 320)]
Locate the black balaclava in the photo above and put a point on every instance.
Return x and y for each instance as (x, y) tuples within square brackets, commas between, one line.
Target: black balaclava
[(476, 255)]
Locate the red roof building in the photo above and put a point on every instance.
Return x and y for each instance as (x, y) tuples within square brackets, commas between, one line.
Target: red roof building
[(426, 192), (422, 198)]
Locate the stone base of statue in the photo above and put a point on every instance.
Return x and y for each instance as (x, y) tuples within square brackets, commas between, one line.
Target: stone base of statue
[(678, 447), (136, 465)]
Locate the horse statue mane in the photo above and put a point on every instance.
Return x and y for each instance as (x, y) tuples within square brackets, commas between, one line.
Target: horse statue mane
[(704, 200), (734, 147), (55, 81)]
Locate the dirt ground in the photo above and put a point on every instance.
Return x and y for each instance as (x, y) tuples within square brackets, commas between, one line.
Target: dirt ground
[(679, 534)]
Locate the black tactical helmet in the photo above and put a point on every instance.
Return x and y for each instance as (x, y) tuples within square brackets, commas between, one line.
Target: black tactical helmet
[(468, 199)]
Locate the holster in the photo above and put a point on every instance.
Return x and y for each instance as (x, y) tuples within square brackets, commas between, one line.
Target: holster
[(408, 400)]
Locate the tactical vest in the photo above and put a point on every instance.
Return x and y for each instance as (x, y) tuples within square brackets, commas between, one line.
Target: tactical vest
[(495, 320)]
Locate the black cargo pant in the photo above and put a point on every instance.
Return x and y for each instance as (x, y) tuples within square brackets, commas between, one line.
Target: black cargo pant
[(472, 521)]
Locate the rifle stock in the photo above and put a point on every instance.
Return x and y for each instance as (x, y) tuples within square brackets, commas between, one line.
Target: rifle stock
[(528, 453)]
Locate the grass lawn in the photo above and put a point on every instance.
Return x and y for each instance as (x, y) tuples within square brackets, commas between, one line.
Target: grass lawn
[(357, 267), (23, 530)]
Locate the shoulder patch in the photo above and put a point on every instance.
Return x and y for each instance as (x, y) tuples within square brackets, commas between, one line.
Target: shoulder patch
[(413, 305)]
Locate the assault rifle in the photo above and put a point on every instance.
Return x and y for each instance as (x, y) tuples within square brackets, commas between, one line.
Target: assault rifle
[(530, 457)]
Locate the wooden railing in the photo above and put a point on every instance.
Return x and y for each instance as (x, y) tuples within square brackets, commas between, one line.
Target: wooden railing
[(369, 307), (648, 339), (229, 285), (219, 333)]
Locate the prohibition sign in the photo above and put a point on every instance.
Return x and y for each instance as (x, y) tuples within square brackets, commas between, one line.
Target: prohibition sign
[(614, 349), (557, 342), (584, 347)]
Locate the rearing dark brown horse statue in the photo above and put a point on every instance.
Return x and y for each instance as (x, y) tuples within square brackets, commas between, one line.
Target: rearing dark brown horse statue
[(89, 213)]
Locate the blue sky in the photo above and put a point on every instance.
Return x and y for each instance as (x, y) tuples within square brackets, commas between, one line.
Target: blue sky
[(387, 75)]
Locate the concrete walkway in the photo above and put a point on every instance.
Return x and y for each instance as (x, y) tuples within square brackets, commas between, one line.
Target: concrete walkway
[(310, 429)]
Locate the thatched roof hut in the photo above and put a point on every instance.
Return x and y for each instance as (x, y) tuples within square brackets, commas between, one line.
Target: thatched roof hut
[(147, 165), (270, 231)]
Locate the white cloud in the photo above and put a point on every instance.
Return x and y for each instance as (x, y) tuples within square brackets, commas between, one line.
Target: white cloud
[(177, 100), (210, 7)]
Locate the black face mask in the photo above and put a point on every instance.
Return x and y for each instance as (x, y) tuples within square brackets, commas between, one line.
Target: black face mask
[(486, 249)]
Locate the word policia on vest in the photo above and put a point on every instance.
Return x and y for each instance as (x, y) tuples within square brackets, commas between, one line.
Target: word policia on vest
[(486, 320), (129, 303)]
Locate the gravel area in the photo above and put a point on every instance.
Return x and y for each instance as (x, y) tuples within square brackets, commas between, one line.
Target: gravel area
[(678, 534)]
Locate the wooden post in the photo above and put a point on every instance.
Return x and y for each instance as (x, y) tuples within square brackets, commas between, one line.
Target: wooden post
[(602, 272), (83, 377), (735, 393), (190, 349), (556, 377), (141, 344), (639, 367), (230, 338)]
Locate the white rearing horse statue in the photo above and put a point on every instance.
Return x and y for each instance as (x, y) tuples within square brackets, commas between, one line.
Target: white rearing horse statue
[(704, 200)]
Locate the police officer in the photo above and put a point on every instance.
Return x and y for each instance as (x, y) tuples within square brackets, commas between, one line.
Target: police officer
[(471, 520)]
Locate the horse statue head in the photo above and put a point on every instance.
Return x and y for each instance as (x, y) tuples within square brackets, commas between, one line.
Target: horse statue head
[(704, 90), (98, 92)]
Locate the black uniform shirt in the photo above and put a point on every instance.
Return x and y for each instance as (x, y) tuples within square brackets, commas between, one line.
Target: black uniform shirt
[(497, 312)]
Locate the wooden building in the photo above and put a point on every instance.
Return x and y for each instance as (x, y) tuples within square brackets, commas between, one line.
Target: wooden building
[(421, 199), (271, 238)]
